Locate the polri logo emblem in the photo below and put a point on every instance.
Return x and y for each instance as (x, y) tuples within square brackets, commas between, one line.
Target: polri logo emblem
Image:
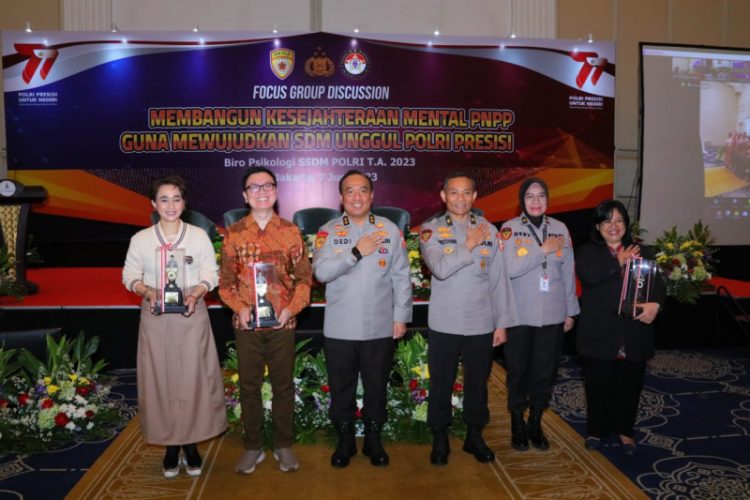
[(355, 63), (37, 55), (282, 62)]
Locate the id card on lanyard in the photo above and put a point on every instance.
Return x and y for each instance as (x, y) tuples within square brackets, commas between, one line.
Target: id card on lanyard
[(544, 278)]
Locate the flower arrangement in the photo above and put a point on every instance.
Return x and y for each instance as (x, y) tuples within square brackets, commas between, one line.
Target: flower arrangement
[(44, 405), (685, 260), (408, 394), (420, 275), (8, 285)]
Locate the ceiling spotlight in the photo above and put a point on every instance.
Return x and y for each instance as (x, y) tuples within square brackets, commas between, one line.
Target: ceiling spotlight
[(436, 32), (28, 27), (512, 34), (356, 28), (114, 28), (275, 29), (590, 38), (195, 28)]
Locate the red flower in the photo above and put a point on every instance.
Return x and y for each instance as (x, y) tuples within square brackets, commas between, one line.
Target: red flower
[(89, 414), (422, 393), (83, 390), (3, 403), (23, 399), (413, 384), (675, 262), (458, 387), (61, 419), (47, 403), (358, 413), (325, 388)]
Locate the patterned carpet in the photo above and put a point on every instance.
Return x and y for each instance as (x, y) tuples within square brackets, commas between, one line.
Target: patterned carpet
[(693, 425), (693, 442)]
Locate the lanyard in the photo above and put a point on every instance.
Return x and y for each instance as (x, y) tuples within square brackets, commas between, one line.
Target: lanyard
[(538, 241)]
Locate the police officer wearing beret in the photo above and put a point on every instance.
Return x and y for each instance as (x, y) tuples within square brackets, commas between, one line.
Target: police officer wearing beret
[(471, 305), (363, 261), (542, 271)]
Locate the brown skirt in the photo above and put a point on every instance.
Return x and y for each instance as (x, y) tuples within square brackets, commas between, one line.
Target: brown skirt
[(180, 389)]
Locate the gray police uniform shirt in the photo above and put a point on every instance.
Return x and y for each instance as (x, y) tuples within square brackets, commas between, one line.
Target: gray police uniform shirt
[(365, 298), (470, 291), (526, 260)]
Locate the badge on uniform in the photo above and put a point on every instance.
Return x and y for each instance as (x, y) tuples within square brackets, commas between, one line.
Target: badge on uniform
[(544, 284), (448, 250), (483, 264), (559, 253), (383, 250), (484, 251), (342, 233), (379, 224), (381, 263), (382, 233), (522, 251), (518, 242), (506, 233), (425, 235), (320, 240)]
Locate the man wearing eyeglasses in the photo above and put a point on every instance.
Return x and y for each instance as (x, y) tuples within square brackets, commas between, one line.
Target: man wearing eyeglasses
[(265, 279), (363, 261)]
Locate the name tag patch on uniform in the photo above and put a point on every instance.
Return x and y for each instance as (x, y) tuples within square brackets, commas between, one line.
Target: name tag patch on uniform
[(426, 235), (522, 251), (320, 240), (342, 241)]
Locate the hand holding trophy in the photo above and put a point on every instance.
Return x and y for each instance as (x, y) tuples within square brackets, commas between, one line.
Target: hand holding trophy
[(170, 279), (264, 315)]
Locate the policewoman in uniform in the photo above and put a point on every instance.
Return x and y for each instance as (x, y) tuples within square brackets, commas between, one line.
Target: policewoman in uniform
[(471, 305), (363, 261), (542, 274)]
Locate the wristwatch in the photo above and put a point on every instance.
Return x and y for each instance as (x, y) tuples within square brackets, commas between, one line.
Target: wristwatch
[(356, 253)]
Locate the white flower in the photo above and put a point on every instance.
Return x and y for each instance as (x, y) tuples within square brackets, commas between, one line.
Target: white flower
[(457, 402), (89, 426), (70, 426)]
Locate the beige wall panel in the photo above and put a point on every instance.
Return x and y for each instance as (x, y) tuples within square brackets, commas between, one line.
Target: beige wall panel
[(42, 14), (698, 21), (577, 18), (738, 24)]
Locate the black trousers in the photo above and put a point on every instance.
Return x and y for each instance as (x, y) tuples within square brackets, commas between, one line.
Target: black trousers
[(346, 360), (613, 388), (532, 355), (443, 354)]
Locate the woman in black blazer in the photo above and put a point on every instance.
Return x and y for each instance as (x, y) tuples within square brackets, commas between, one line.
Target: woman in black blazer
[(613, 349)]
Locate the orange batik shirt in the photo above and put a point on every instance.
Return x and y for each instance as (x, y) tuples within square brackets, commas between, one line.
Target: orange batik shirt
[(280, 244)]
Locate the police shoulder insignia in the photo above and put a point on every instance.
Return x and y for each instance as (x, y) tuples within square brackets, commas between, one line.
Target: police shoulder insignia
[(425, 235)]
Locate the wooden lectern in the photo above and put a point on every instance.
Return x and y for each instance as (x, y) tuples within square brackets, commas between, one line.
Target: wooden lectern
[(15, 205)]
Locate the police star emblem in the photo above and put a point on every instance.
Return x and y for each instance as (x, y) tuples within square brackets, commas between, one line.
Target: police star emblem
[(425, 235), (319, 64), (282, 62)]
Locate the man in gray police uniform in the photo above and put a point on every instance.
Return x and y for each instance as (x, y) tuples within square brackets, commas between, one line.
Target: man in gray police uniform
[(362, 259), (471, 305)]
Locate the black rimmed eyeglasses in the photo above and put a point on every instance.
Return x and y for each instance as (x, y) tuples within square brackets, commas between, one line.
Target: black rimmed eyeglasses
[(254, 188)]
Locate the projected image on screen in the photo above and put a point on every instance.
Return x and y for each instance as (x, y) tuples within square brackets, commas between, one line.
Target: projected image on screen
[(696, 140)]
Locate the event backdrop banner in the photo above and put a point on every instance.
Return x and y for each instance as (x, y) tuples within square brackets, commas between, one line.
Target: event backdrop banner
[(95, 116)]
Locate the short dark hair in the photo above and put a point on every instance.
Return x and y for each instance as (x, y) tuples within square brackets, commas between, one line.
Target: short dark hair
[(167, 180), (459, 173), (603, 212), (349, 174), (256, 170)]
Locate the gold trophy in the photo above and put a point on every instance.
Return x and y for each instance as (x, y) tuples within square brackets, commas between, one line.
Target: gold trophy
[(170, 279)]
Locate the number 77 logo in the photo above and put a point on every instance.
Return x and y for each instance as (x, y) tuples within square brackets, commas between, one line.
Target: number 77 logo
[(37, 54)]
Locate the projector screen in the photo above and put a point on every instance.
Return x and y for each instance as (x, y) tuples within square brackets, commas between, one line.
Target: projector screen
[(695, 143)]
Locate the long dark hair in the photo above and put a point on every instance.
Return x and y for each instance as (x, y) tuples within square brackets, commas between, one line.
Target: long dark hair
[(603, 212)]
